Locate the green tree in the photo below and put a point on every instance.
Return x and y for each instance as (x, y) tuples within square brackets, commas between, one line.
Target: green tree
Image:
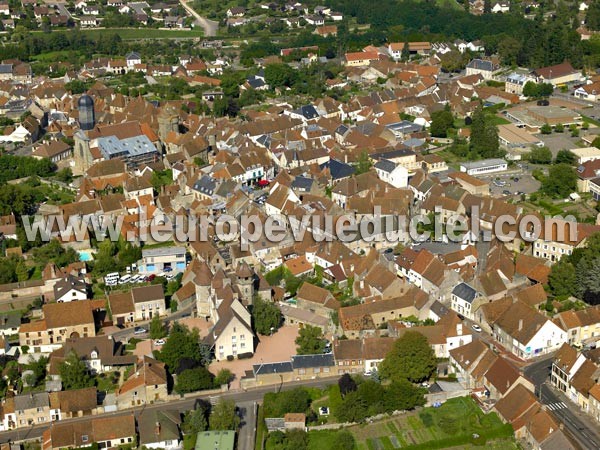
[(363, 164), (195, 420), (410, 358), (559, 128), (540, 155), (441, 121), (22, 271), (266, 316), (563, 279), (74, 373), (310, 341), (193, 380), (565, 157), (346, 384), (405, 55), (279, 75), (183, 343), (296, 400), (592, 16), (223, 377), (561, 181), (157, 328), (402, 395), (354, 408), (546, 129), (224, 416), (484, 135)]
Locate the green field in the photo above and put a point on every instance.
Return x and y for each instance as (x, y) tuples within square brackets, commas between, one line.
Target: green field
[(453, 425), (142, 33)]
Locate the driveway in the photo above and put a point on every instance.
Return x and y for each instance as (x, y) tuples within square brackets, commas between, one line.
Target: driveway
[(210, 26), (277, 348)]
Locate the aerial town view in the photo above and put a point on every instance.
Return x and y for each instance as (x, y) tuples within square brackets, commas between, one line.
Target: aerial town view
[(285, 225)]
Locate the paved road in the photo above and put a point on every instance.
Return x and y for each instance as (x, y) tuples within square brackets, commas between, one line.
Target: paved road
[(584, 433), (242, 398), (576, 423), (127, 333), (210, 26), (247, 432)]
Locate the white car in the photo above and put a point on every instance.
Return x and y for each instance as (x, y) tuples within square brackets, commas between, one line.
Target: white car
[(476, 327), (159, 342)]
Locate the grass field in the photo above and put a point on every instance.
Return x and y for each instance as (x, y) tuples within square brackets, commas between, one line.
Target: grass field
[(142, 33), (453, 425)]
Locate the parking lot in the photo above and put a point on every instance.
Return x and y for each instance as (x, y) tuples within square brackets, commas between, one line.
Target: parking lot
[(526, 183), (558, 141)]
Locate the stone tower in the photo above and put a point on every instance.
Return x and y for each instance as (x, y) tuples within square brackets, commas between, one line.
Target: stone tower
[(87, 118), (168, 120), (245, 283), (203, 281)]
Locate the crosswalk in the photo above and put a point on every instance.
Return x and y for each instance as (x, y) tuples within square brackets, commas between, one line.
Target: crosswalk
[(557, 405)]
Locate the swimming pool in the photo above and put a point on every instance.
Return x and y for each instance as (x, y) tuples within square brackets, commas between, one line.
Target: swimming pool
[(85, 255)]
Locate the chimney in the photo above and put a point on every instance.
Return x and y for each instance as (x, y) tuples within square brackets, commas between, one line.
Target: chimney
[(157, 428), (520, 324), (459, 329)]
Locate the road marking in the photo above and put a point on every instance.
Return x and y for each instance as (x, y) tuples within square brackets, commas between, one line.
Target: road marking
[(556, 406)]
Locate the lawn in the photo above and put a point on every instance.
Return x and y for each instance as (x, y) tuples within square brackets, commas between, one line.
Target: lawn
[(141, 33), (454, 424)]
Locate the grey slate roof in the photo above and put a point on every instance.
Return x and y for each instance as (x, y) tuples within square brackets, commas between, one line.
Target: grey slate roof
[(338, 169), (481, 64), (280, 367), (465, 292), (310, 361), (385, 165)]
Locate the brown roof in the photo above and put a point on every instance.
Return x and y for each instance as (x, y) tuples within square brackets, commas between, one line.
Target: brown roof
[(315, 294), (556, 71), (59, 315), (565, 357), (502, 375), (149, 372), (120, 303), (149, 293), (518, 401), (585, 378), (97, 429), (521, 322), (75, 400)]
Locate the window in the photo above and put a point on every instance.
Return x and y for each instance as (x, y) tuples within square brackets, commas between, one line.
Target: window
[(84, 438)]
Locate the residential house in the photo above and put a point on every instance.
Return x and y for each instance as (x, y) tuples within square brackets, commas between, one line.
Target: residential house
[(360, 355), (70, 289), (392, 173), (61, 321), (582, 326), (558, 74), (317, 300), (26, 410), (73, 403), (101, 354), (146, 385), (139, 304), (527, 333), (461, 299), (483, 67), (160, 429), (109, 432)]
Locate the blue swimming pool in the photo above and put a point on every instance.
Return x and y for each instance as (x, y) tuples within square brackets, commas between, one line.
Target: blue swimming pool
[(85, 255)]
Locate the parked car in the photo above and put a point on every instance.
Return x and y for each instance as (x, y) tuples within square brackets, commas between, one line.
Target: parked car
[(168, 269), (505, 192), (159, 342), (516, 179), (150, 277), (476, 327), (140, 330)]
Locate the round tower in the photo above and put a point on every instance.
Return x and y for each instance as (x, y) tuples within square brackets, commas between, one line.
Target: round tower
[(87, 118)]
